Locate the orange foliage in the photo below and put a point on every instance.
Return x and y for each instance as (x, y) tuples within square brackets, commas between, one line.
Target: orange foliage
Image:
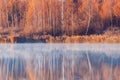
[(78, 15), (106, 10), (30, 11), (116, 10)]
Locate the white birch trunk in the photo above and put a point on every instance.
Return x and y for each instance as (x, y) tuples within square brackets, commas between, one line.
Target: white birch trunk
[(89, 16), (50, 12), (62, 15), (6, 13), (110, 6)]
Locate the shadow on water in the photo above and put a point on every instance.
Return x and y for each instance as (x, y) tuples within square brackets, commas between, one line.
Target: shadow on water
[(60, 62)]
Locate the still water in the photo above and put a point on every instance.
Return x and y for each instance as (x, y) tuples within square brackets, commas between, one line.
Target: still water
[(60, 62)]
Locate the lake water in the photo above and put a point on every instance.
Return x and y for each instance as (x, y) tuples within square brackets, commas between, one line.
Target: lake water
[(60, 62)]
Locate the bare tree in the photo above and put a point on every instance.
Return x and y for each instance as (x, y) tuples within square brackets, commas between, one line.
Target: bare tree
[(62, 14), (89, 18)]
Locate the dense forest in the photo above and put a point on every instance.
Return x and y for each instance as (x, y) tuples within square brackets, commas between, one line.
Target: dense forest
[(58, 17)]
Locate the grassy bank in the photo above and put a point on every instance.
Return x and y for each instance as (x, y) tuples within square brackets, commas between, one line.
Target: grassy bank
[(111, 35), (17, 35), (64, 39), (84, 39)]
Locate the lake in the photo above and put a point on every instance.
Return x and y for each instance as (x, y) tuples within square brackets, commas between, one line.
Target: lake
[(59, 61)]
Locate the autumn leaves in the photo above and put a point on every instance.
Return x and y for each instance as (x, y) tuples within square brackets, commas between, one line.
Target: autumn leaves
[(56, 17)]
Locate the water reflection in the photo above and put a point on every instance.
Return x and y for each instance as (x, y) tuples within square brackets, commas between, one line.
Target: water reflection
[(60, 62)]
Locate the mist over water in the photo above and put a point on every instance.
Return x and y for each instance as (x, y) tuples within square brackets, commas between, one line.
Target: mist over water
[(60, 62)]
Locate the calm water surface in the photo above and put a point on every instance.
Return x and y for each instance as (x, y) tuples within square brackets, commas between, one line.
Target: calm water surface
[(59, 61)]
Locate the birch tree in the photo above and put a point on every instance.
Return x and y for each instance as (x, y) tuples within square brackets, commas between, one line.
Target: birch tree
[(62, 14), (89, 14)]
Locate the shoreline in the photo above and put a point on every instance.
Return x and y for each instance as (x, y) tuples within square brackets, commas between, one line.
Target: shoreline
[(62, 39)]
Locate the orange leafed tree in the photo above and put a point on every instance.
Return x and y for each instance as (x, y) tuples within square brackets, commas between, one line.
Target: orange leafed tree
[(116, 10), (59, 17)]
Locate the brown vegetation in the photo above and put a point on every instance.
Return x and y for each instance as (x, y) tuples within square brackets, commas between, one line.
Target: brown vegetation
[(48, 13), (13, 39), (58, 18), (84, 39)]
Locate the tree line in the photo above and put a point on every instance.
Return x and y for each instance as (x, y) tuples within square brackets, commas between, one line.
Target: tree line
[(58, 17)]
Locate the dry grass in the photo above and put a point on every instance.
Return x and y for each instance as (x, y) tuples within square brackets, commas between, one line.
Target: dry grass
[(111, 35), (35, 18), (85, 39), (66, 39)]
